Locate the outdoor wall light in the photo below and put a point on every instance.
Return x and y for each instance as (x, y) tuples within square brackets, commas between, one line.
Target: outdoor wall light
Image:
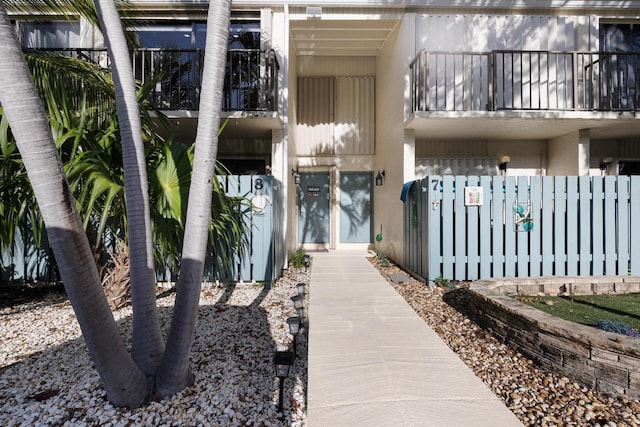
[(282, 362), (298, 301), (604, 164), (380, 179), (502, 164), (294, 328), (300, 287), (296, 176)]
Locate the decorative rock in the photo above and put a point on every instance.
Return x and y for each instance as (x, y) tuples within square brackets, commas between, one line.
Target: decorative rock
[(238, 329)]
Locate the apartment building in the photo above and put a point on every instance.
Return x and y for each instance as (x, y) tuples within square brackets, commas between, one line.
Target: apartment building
[(343, 102)]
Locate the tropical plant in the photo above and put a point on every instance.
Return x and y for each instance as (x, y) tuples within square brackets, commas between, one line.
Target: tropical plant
[(124, 375)]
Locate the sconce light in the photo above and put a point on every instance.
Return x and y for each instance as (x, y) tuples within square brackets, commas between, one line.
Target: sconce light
[(604, 164), (314, 12), (296, 176), (502, 164), (380, 179)]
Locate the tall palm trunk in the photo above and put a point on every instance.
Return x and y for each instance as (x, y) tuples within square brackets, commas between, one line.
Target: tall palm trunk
[(173, 373), (126, 385), (148, 343)]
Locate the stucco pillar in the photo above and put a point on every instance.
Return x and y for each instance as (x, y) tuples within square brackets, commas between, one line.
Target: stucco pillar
[(569, 154)]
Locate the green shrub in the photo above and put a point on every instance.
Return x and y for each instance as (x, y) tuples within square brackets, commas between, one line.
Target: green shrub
[(296, 258)]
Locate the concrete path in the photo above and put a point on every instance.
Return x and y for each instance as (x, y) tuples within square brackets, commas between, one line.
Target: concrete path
[(374, 362)]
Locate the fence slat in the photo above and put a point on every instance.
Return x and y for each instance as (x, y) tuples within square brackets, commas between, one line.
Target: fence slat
[(510, 199), (460, 229), (547, 228), (499, 222), (623, 225), (485, 228), (523, 198), (535, 256), (446, 218), (610, 225), (585, 230), (572, 225), (597, 226), (473, 229), (634, 231)]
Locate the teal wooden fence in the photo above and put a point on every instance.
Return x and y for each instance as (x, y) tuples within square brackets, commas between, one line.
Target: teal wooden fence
[(261, 260), (470, 227)]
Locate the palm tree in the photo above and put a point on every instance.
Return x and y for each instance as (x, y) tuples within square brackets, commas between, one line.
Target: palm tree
[(125, 383), (173, 373), (148, 343)]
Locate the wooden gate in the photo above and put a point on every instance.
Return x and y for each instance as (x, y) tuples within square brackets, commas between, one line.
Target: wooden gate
[(470, 227)]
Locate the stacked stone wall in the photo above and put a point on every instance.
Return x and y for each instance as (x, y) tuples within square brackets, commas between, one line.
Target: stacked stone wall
[(605, 361)]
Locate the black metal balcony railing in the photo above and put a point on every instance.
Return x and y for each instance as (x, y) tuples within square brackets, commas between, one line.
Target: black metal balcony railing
[(525, 80), (251, 76)]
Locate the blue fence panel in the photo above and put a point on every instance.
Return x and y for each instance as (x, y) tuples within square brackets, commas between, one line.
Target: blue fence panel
[(261, 260), (479, 227)]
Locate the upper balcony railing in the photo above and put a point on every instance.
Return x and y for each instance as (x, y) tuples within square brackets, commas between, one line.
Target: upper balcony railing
[(525, 80), (250, 84)]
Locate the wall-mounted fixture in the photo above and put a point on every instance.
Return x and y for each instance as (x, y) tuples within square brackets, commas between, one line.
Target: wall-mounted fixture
[(604, 164), (296, 176), (314, 12), (503, 161), (380, 179)]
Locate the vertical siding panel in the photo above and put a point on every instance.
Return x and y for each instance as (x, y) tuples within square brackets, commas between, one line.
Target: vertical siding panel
[(422, 213), (560, 222), (473, 231), (623, 225), (510, 198), (499, 223), (598, 226), (610, 225), (547, 227), (448, 226), (535, 235), (572, 225), (486, 228), (460, 229), (634, 232), (586, 221)]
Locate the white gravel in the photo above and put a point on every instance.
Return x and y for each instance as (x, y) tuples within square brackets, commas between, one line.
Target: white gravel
[(47, 379)]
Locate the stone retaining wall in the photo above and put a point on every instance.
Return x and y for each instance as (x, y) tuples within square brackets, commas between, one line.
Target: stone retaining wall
[(605, 361)]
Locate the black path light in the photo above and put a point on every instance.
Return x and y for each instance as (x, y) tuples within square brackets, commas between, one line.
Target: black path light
[(294, 328), (307, 260), (300, 287), (282, 362), (298, 301), (300, 311)]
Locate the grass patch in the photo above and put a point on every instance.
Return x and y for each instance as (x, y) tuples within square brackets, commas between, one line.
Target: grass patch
[(588, 309)]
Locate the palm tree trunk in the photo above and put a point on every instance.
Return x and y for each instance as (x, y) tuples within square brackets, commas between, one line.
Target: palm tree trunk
[(174, 373), (126, 385), (148, 343)]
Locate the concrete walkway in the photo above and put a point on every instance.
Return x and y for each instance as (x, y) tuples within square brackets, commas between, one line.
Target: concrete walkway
[(374, 362)]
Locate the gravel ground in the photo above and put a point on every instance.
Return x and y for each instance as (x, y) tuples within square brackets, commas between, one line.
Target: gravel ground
[(46, 377), (535, 396)]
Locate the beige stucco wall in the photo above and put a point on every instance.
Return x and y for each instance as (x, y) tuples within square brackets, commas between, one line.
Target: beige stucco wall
[(391, 142)]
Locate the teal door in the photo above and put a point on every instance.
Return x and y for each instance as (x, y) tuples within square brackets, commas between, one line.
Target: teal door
[(355, 207), (313, 207)]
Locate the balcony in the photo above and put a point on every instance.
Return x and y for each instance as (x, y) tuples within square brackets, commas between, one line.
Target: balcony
[(251, 77), (579, 90)]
